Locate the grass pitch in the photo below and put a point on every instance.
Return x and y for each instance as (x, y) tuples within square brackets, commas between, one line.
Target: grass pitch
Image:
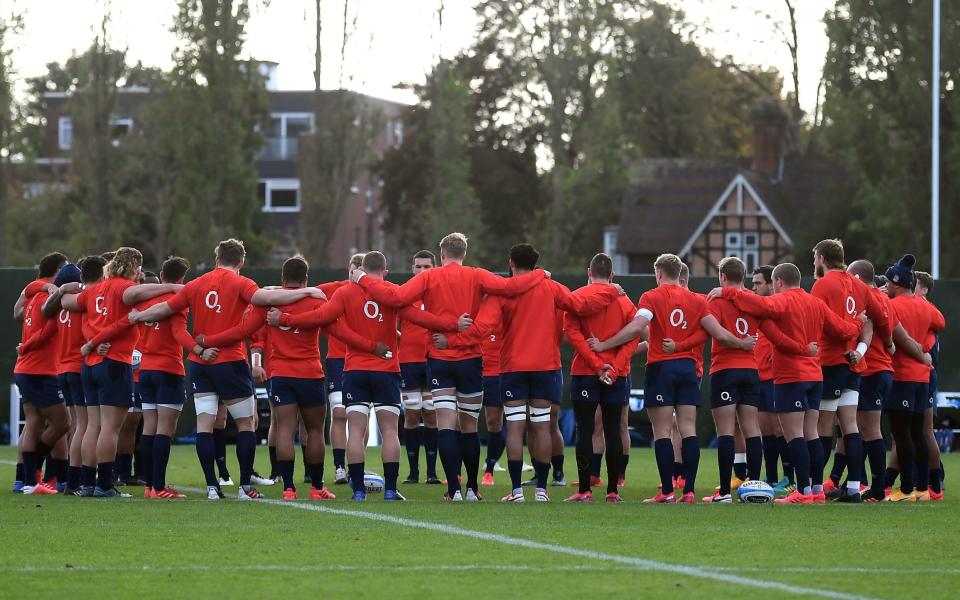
[(74, 547)]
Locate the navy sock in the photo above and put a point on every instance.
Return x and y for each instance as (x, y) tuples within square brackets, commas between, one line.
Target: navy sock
[(515, 468), (206, 454), (800, 458), (935, 480), (595, 464), (826, 443), (356, 476), (391, 470), (73, 477), (30, 468), (815, 448), (19, 476), (246, 452), (623, 465), (494, 449), (123, 465), (771, 454), (220, 453), (316, 474), (105, 475), (740, 470), (663, 450), (786, 460), (725, 452), (542, 469), (146, 458), (340, 457), (449, 447), (839, 465), (429, 437), (853, 444), (754, 457), (51, 471), (161, 456), (677, 467), (690, 451), (876, 452), (890, 476), (274, 464), (412, 442), (88, 476), (557, 462), (470, 451), (285, 471)]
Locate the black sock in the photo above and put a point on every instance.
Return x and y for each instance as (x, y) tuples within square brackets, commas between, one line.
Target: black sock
[(725, 452), (595, 463), (429, 437), (754, 457), (30, 468), (557, 462), (739, 468), (340, 458), (73, 477), (146, 458), (876, 452), (449, 448), (515, 468), (826, 443), (206, 454), (890, 476), (355, 471), (542, 469), (274, 464), (391, 471), (160, 457), (246, 453), (584, 414), (935, 480), (663, 450), (785, 460), (677, 467), (303, 461), (412, 443), (470, 453), (800, 459), (839, 465), (815, 448), (19, 475), (123, 465), (771, 454), (88, 476), (853, 444), (285, 470), (220, 452), (494, 450), (105, 475), (623, 465), (690, 451), (316, 474)]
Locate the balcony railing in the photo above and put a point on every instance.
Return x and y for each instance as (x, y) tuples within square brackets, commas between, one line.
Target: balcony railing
[(279, 149)]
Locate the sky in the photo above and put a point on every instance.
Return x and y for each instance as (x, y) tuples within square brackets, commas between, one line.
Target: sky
[(396, 41)]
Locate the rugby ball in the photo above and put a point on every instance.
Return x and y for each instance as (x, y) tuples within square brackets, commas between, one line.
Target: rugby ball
[(755, 492), (372, 482)]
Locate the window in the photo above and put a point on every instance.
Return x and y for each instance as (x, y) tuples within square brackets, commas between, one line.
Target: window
[(744, 245), (279, 195), (282, 136), (65, 133), (119, 129)]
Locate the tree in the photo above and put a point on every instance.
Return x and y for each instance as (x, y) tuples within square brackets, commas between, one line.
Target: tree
[(877, 119), (334, 155), (10, 26)]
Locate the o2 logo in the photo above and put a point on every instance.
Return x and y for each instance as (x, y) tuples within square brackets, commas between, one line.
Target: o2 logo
[(371, 310), (99, 307), (851, 306), (212, 300), (677, 319), (64, 317), (741, 326)]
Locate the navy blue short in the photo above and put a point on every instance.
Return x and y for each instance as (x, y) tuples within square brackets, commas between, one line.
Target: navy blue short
[(589, 388), (71, 388), (86, 380), (672, 383), (907, 396), (874, 390), (334, 372), (932, 389), (491, 391), (112, 384), (735, 386), (465, 376), (798, 396), (532, 385), (414, 376), (767, 396), (229, 381), (837, 378), (38, 390), (305, 393), (160, 387), (371, 387)]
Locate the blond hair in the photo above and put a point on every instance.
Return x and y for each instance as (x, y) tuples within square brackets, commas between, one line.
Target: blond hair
[(454, 245), (669, 264), (125, 263)]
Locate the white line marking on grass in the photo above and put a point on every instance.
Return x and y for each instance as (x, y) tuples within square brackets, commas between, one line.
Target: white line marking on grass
[(640, 563), (301, 568)]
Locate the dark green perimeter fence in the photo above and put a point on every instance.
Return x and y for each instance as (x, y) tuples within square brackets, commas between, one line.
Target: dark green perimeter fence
[(946, 296)]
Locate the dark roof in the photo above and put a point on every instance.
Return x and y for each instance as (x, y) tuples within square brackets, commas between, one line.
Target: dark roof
[(667, 199)]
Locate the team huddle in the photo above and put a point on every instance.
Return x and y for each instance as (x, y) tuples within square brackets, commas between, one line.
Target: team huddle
[(787, 368)]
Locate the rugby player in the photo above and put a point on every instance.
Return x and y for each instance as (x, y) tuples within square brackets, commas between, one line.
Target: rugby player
[(456, 374), (925, 283), (492, 402)]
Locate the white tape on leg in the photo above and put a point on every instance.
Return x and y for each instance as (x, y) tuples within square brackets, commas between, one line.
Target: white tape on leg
[(539, 414), (387, 408), (335, 399), (206, 404), (470, 409), (445, 402), (515, 413), (363, 409), (849, 398), (412, 400), (242, 409)]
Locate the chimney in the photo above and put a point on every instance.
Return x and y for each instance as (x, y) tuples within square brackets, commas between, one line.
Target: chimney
[(769, 128)]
